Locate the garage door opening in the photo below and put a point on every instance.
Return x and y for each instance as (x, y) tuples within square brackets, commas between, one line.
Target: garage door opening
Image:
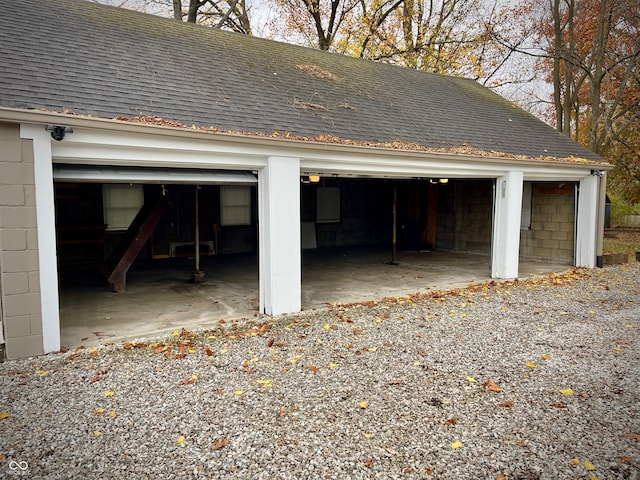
[(376, 223), (102, 211)]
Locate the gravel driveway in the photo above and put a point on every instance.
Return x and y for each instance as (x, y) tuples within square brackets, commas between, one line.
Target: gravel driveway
[(535, 379)]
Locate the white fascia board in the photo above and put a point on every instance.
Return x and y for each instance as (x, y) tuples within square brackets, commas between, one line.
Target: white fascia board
[(94, 154), (104, 149), (459, 167), (103, 141)]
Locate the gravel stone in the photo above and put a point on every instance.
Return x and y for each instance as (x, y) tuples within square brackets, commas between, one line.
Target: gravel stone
[(383, 389)]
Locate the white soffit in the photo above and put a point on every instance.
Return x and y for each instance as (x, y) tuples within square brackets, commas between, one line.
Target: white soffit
[(168, 176)]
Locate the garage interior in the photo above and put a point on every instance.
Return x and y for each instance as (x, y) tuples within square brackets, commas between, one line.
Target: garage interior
[(362, 239)]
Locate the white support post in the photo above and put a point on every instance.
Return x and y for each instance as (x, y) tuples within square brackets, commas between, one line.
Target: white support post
[(586, 224), (46, 220), (506, 226), (279, 234)]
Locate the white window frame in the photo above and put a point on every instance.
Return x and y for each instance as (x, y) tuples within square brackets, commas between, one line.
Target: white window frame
[(121, 202), (235, 205)]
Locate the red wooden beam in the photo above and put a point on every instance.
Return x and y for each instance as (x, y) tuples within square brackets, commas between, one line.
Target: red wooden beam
[(118, 277)]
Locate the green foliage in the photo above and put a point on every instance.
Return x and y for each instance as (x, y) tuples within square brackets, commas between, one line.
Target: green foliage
[(621, 209)]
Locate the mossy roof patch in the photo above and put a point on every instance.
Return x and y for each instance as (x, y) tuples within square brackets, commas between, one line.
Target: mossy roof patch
[(108, 62)]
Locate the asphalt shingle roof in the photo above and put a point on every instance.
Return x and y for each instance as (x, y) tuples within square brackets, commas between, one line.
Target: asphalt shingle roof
[(108, 62)]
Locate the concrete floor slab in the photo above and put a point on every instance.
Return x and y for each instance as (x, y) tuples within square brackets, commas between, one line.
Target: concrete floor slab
[(160, 296)]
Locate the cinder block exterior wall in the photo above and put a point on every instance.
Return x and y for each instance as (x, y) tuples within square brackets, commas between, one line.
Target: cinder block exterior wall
[(551, 236), (19, 271), (473, 211)]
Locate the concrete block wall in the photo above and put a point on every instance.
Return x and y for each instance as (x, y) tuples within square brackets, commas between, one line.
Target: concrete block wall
[(473, 210), (19, 265), (551, 236)]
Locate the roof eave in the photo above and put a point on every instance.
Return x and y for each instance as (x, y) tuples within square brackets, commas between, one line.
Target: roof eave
[(16, 115)]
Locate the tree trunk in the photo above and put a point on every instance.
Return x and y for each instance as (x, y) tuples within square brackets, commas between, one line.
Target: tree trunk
[(177, 10), (557, 62), (192, 14), (599, 50)]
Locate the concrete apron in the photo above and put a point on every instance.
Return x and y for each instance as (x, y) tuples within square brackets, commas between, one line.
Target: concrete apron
[(160, 296)]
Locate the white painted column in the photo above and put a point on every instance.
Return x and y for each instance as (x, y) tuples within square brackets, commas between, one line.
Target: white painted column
[(279, 234), (505, 249), (586, 224), (46, 219)]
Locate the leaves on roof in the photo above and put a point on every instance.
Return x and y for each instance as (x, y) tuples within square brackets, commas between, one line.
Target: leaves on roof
[(331, 139), (317, 71), (395, 145), (308, 105)]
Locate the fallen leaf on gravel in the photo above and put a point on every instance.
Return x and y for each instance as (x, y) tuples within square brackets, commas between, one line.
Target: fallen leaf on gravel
[(220, 443), (575, 462), (452, 421), (407, 470), (471, 379), (507, 404), (396, 382), (618, 349), (589, 466), (428, 471), (457, 444), (282, 412), (238, 392), (566, 391), (208, 351), (4, 415), (264, 383), (180, 440), (546, 357), (531, 365), (492, 386), (110, 393), (313, 368), (42, 373), (633, 436), (189, 380), (624, 459), (113, 414), (358, 332), (559, 405), (363, 404), (333, 365), (369, 463), (97, 433), (99, 411)]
